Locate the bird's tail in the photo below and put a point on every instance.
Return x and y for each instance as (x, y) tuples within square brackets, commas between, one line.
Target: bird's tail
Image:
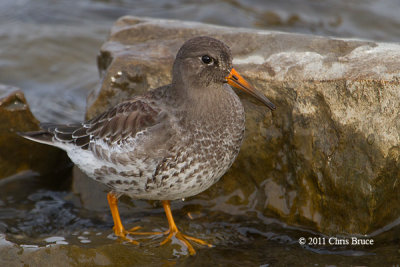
[(41, 136), (51, 134)]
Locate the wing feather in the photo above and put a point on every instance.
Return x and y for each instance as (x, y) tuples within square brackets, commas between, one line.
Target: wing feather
[(124, 120)]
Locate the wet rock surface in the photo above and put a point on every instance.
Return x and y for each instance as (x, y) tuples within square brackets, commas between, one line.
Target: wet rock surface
[(41, 225), (16, 153), (327, 159), (284, 253)]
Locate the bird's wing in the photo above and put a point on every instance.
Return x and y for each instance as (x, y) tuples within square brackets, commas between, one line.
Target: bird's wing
[(122, 121)]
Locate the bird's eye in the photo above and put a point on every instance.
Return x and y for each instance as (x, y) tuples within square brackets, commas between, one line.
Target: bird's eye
[(207, 59)]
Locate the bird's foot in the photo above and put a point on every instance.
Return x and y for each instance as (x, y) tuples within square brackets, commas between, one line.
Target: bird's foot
[(133, 231), (174, 232), (184, 239), (122, 233)]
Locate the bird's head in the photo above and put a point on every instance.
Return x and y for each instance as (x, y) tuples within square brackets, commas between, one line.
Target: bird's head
[(204, 62)]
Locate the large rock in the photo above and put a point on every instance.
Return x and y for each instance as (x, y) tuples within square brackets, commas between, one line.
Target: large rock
[(16, 153), (328, 158)]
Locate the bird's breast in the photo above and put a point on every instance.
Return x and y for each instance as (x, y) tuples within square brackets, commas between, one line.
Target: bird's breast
[(200, 149), (206, 150)]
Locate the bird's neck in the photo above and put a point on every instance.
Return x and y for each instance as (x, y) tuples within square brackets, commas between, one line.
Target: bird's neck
[(203, 106), (212, 104)]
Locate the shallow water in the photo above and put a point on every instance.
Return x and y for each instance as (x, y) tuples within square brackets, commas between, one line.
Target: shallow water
[(49, 49), (39, 214)]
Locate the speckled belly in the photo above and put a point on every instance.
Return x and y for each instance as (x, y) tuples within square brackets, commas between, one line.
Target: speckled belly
[(201, 153), (194, 170), (193, 166)]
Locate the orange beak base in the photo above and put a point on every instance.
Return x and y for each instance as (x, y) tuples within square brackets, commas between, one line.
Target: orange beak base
[(234, 79)]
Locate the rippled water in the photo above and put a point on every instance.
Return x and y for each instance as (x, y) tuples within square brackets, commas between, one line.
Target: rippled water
[(48, 49), (38, 214)]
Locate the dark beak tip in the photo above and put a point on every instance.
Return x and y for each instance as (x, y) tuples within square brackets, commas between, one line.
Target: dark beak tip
[(271, 106)]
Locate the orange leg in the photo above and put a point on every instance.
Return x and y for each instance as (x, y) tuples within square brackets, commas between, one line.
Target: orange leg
[(173, 231), (118, 228)]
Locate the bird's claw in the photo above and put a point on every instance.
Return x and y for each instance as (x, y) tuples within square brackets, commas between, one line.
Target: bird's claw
[(185, 240)]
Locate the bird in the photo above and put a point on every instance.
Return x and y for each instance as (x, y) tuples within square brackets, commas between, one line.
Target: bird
[(169, 143)]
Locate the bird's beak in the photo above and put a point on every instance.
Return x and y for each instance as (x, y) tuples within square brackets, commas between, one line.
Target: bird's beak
[(235, 80)]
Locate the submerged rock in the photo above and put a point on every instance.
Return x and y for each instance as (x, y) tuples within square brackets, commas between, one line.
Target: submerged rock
[(16, 153), (328, 158)]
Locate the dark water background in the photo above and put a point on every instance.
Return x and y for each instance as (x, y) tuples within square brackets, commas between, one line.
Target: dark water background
[(48, 49)]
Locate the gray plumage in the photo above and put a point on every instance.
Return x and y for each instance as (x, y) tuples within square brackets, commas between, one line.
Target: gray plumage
[(171, 143)]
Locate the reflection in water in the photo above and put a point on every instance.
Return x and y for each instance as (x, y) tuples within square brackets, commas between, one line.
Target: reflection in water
[(39, 215)]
